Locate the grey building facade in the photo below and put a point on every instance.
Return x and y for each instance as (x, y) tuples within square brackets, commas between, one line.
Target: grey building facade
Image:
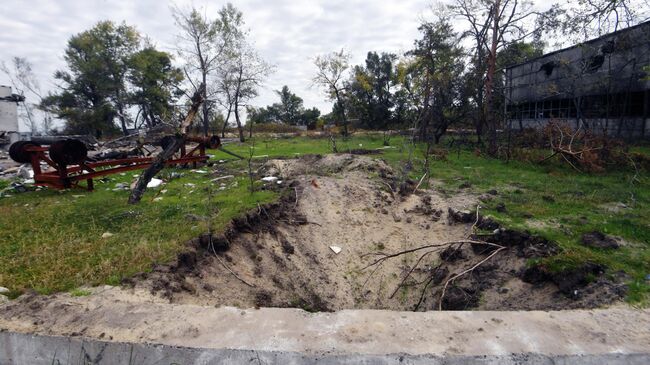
[(602, 85)]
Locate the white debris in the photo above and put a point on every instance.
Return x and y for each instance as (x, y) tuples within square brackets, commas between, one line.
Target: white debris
[(279, 182), (78, 196), (107, 235), (3, 290), (157, 199), (29, 181), (269, 179), (163, 191), (261, 156), (200, 171), (25, 172), (154, 183), (189, 185), (336, 249), (222, 178), (222, 161)]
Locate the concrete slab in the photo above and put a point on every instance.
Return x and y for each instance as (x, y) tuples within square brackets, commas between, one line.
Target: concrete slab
[(187, 334)]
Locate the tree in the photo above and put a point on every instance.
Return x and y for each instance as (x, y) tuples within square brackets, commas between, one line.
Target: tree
[(24, 82), (203, 43), (493, 24), (290, 108), (155, 84), (369, 91), (436, 68), (585, 19), (330, 73), (94, 91), (242, 75)]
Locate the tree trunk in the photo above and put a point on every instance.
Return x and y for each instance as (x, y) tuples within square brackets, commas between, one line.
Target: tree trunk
[(239, 126), (489, 82), (159, 162), (206, 122), (225, 123)]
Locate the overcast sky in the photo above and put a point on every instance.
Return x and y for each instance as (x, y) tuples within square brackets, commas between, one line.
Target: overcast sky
[(287, 33)]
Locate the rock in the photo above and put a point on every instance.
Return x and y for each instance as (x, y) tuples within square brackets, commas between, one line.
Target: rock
[(3, 290), (154, 183), (336, 249), (107, 235), (3, 299)]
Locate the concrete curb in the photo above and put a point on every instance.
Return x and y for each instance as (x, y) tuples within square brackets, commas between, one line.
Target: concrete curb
[(19, 348)]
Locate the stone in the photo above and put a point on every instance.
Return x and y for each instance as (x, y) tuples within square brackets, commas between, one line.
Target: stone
[(107, 235)]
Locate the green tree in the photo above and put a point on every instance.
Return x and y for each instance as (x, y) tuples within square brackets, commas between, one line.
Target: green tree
[(94, 91), (435, 68), (369, 91), (155, 84), (290, 108)]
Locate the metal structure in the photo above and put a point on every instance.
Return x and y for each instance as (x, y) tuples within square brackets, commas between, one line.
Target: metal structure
[(68, 162)]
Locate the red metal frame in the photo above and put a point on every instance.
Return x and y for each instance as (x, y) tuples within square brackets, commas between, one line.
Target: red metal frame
[(63, 177)]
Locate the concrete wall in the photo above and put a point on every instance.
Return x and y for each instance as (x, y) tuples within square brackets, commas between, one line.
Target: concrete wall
[(47, 350), (569, 73), (8, 112), (624, 128)]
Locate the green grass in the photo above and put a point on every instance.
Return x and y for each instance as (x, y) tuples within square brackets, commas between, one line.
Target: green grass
[(51, 241)]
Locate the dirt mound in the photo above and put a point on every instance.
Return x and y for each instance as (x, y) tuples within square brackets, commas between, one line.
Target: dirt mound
[(285, 254), (318, 248)]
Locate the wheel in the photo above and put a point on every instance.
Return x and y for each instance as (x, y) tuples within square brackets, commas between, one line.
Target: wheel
[(17, 151), (68, 152)]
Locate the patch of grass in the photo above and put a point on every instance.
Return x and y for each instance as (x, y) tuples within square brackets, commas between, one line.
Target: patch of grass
[(78, 292), (52, 241)]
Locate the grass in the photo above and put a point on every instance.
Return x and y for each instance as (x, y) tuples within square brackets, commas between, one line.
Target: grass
[(52, 241)]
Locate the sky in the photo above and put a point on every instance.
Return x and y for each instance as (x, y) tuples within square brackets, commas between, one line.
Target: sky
[(286, 33)]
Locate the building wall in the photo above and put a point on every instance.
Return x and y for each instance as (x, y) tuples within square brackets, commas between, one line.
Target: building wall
[(8, 112), (601, 82)]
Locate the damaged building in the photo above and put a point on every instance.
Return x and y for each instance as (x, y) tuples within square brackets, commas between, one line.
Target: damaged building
[(8, 115), (602, 85)]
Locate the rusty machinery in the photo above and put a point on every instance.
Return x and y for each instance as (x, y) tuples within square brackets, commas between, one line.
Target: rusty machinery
[(68, 162)]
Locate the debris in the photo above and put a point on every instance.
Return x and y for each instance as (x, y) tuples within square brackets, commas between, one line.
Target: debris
[(78, 196), (223, 178), (200, 171), (599, 240), (3, 290), (157, 199), (107, 235), (314, 183), (269, 179), (163, 191), (190, 185), (154, 183), (25, 172), (336, 249)]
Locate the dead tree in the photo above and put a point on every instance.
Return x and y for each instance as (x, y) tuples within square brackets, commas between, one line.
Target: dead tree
[(169, 151)]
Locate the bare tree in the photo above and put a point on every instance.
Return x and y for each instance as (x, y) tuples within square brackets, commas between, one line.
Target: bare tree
[(25, 84), (201, 43), (331, 70), (240, 78)]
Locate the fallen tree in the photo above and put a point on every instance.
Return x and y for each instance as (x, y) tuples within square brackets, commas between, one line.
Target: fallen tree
[(169, 150)]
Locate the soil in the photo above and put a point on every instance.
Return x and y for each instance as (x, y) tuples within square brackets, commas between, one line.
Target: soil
[(280, 255)]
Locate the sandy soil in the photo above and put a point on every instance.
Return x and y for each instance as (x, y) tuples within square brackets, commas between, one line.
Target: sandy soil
[(280, 255)]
